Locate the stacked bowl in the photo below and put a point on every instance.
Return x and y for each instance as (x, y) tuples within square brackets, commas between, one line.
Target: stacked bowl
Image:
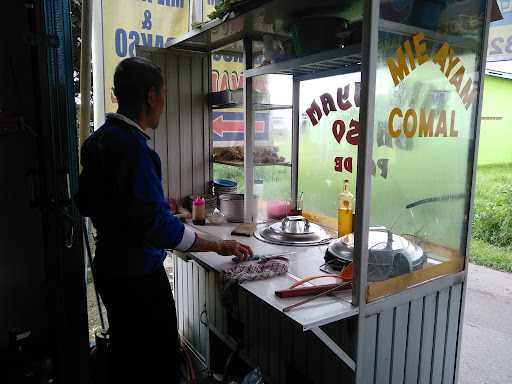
[(222, 186)]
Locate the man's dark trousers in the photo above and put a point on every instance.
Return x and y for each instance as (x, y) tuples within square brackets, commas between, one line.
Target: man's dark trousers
[(143, 327)]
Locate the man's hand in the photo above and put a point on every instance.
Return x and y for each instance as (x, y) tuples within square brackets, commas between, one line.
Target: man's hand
[(234, 248), (222, 247)]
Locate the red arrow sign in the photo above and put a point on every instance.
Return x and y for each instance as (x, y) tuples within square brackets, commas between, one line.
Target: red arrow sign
[(221, 126)]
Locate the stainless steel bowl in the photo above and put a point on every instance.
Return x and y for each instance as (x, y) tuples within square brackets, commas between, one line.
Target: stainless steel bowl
[(294, 231)]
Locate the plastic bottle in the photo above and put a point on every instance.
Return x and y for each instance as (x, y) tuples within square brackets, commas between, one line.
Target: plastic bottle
[(199, 211), (258, 188), (346, 203)]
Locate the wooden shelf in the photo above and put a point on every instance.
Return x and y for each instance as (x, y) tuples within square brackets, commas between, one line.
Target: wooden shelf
[(240, 164), (270, 107), (227, 106)]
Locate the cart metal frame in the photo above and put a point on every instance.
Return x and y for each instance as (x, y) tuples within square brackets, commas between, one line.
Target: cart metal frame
[(391, 347)]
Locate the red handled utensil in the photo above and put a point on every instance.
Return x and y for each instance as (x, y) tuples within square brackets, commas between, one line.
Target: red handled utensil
[(309, 291), (336, 287), (317, 291), (344, 275)]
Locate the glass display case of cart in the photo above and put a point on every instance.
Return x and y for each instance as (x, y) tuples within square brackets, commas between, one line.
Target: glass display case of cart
[(228, 116), (272, 96), (301, 39), (226, 101), (328, 142), (426, 104), (313, 90), (272, 119)]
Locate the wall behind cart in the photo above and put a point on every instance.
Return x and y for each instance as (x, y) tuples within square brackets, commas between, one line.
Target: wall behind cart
[(496, 126)]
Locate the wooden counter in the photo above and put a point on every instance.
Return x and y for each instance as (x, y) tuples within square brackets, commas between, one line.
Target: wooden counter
[(305, 262), (285, 345)]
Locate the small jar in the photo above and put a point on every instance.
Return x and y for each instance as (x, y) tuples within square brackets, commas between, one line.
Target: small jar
[(199, 211)]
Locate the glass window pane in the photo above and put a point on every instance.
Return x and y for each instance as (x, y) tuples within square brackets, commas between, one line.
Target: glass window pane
[(272, 96), (228, 123), (426, 99), (328, 130)]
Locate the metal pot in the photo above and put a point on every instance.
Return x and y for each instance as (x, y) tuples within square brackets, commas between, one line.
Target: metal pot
[(389, 254), (232, 206)]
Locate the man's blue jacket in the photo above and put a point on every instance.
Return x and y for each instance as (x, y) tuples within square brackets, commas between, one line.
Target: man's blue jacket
[(120, 189)]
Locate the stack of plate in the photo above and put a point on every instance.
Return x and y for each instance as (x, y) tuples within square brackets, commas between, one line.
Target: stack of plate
[(221, 186)]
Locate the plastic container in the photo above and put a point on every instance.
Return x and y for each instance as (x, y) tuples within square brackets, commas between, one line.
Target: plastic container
[(199, 211), (216, 217), (277, 209), (258, 188), (295, 207)]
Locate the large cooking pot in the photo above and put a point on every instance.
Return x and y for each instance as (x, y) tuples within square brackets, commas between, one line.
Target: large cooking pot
[(232, 206), (389, 254), (294, 231)]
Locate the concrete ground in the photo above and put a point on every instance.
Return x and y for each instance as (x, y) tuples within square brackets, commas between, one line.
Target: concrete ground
[(487, 335)]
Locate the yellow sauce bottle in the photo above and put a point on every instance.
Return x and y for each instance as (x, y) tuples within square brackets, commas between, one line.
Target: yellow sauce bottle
[(346, 202)]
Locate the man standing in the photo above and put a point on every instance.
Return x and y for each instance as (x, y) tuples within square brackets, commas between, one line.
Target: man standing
[(121, 191)]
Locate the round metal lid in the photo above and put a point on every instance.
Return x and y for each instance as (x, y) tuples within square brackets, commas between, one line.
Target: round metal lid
[(295, 231), (381, 243)]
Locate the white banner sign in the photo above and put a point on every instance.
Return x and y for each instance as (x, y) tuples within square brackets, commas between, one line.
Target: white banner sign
[(500, 34)]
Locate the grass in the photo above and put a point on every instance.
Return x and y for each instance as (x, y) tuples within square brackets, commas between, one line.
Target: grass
[(493, 205), (491, 256), (491, 245)]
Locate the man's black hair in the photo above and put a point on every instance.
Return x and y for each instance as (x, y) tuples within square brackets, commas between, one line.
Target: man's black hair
[(133, 79)]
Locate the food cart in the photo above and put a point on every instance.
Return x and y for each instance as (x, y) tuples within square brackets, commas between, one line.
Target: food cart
[(412, 146)]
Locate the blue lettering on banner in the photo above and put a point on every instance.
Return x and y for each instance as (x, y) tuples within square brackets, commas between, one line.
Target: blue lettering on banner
[(147, 39), (229, 126), (121, 42), (134, 37), (174, 3), (159, 41), (126, 42), (146, 21), (171, 3)]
